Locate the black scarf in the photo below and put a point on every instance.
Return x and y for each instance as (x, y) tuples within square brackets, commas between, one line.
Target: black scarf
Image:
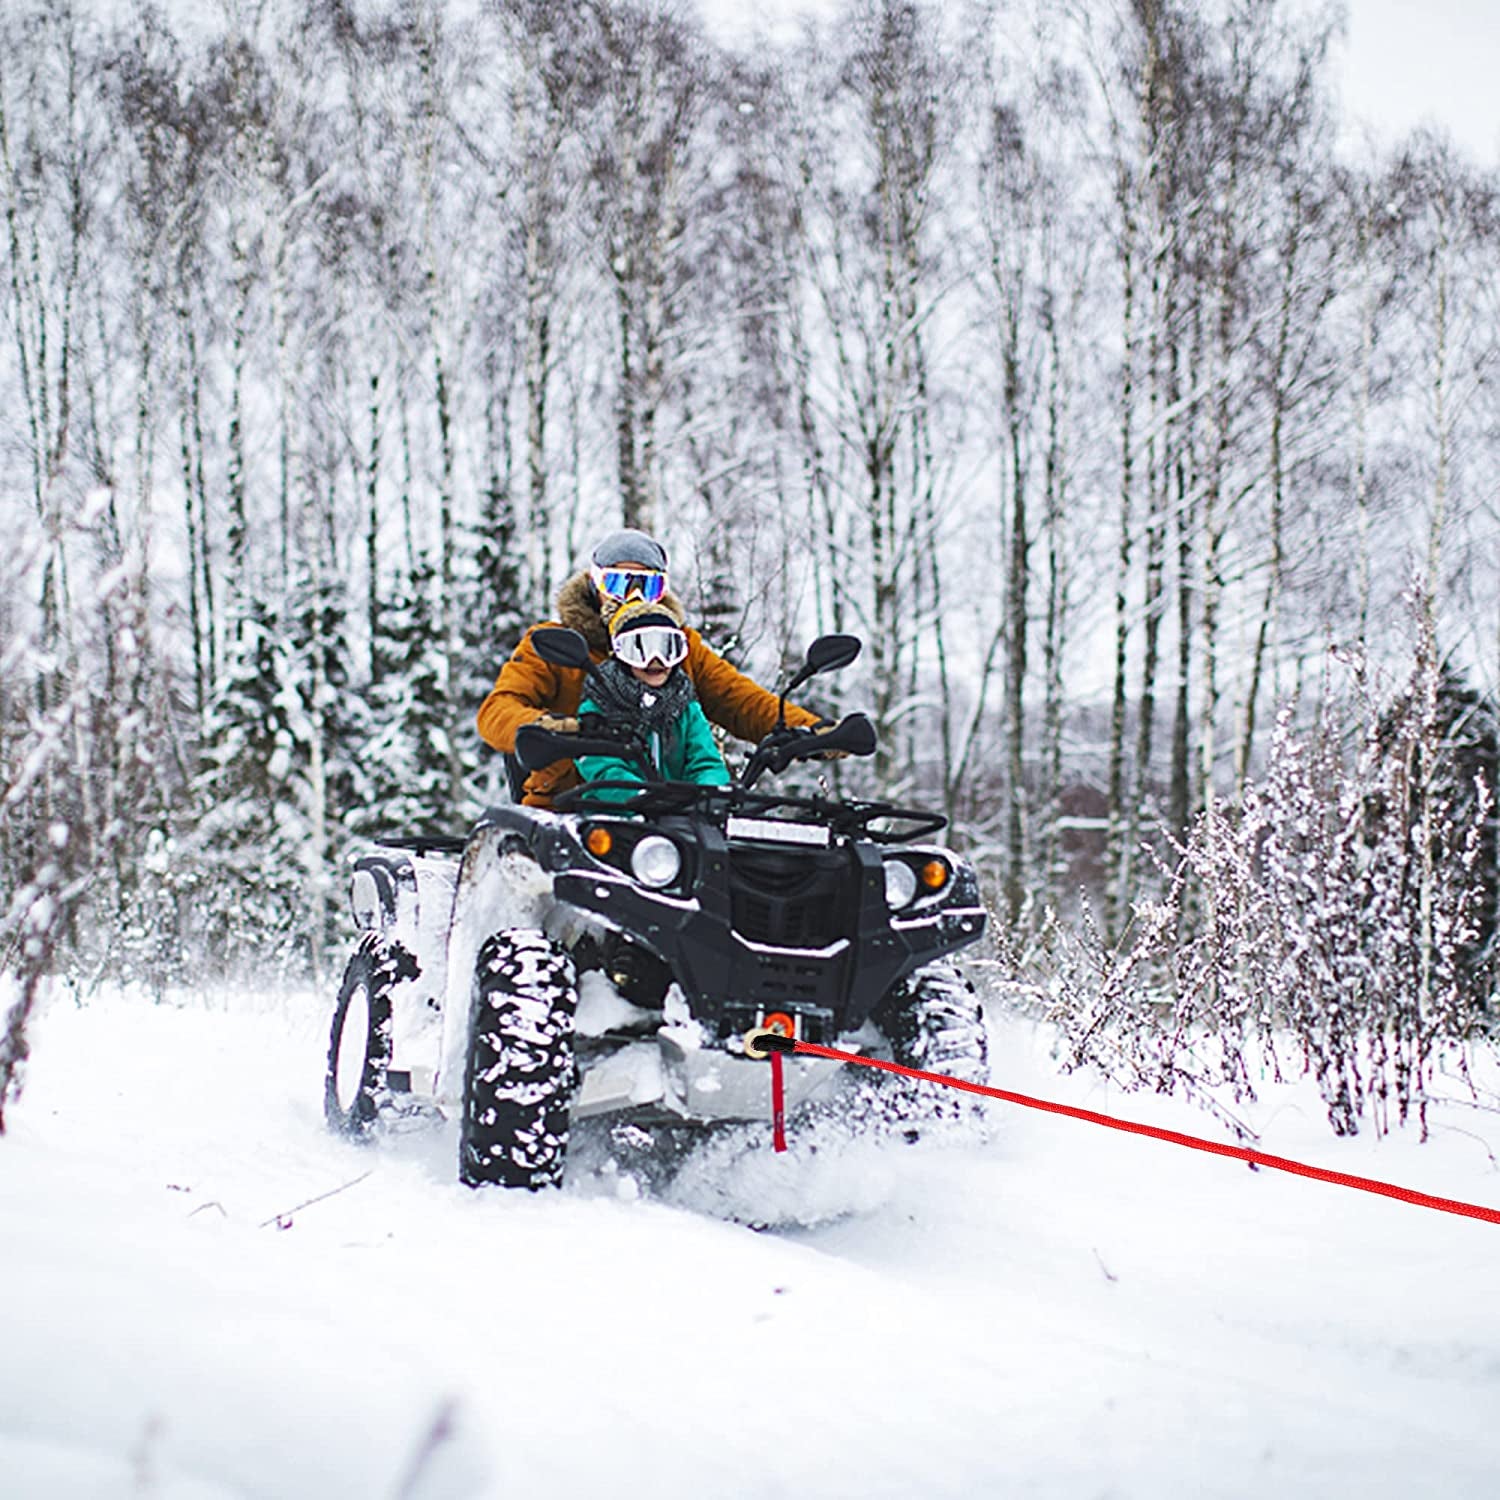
[(623, 698)]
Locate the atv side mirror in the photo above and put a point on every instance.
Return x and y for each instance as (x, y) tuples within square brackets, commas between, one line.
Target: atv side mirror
[(561, 646), (826, 654)]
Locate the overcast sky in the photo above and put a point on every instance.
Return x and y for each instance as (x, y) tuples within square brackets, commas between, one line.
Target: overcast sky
[(1404, 62), (1410, 62)]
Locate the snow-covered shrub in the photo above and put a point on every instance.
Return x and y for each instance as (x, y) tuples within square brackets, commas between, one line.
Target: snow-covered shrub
[(30, 929), (87, 752), (1342, 912), (1335, 929), (1118, 1012)]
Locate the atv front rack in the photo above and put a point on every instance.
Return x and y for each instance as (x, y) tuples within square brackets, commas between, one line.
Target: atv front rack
[(851, 819)]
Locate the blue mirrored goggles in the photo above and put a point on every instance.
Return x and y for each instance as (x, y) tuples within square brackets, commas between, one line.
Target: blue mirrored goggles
[(623, 583), (661, 643)]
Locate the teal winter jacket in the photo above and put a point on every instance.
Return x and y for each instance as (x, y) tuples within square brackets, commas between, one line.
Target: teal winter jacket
[(684, 751)]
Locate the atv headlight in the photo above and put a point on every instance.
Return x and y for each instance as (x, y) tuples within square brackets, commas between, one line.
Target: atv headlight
[(655, 861), (900, 883)]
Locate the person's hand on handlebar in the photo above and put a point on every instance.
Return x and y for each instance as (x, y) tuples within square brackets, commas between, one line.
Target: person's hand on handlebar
[(821, 727)]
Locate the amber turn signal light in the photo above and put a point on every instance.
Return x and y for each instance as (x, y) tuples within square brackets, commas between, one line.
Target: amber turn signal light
[(599, 841), (934, 874)]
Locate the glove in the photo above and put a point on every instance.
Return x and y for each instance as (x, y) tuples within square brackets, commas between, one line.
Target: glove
[(557, 725)]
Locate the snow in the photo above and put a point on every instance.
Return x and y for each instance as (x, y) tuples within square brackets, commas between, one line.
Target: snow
[(601, 1007), (207, 1295)]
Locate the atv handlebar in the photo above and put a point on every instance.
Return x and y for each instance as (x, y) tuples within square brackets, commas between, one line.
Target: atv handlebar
[(854, 734), (537, 747)]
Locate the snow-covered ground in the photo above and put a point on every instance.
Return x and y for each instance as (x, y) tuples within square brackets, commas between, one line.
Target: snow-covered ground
[(1062, 1311)]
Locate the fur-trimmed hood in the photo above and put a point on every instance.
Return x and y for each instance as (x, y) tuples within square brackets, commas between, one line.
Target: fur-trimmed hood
[(578, 609)]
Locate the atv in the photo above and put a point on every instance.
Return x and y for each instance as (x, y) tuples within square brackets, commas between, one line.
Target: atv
[(615, 961)]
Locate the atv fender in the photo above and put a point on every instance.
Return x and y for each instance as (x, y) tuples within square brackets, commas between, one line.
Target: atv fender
[(499, 886)]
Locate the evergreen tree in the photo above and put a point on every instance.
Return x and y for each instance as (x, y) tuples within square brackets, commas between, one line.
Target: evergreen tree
[(323, 652), (1454, 766), (494, 619), (331, 780), (1470, 723), (252, 826), (404, 763)]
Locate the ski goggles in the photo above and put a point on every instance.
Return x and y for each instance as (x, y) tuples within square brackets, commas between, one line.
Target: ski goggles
[(663, 643), (621, 583)]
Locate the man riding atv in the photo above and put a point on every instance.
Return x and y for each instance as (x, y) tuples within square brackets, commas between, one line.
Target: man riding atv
[(626, 565)]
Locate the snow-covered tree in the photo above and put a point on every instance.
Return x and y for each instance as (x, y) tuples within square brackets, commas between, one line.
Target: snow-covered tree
[(404, 760), (494, 620), (251, 790)]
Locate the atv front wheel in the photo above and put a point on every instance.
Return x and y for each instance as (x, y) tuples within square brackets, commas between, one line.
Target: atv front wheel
[(934, 1021), (359, 1044), (519, 1078)]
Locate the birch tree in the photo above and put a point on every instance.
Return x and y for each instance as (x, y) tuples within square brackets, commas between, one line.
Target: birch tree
[(645, 171), (554, 89), (873, 277)]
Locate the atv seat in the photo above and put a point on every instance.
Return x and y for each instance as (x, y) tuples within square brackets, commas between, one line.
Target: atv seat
[(515, 776)]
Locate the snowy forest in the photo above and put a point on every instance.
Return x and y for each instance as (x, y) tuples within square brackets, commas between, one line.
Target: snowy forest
[(1145, 430)]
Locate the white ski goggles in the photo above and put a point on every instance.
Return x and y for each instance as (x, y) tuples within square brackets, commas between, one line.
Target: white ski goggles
[(663, 643)]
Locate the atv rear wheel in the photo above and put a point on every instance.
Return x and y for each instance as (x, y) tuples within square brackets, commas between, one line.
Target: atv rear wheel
[(359, 1043), (519, 1078)]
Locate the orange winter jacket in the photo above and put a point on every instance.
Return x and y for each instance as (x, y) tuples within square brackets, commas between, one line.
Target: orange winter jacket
[(528, 687)]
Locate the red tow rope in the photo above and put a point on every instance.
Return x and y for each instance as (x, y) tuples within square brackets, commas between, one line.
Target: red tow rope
[(778, 1104), (776, 1045)]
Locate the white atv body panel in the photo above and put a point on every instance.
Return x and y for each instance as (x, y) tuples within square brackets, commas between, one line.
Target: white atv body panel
[(494, 890)]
